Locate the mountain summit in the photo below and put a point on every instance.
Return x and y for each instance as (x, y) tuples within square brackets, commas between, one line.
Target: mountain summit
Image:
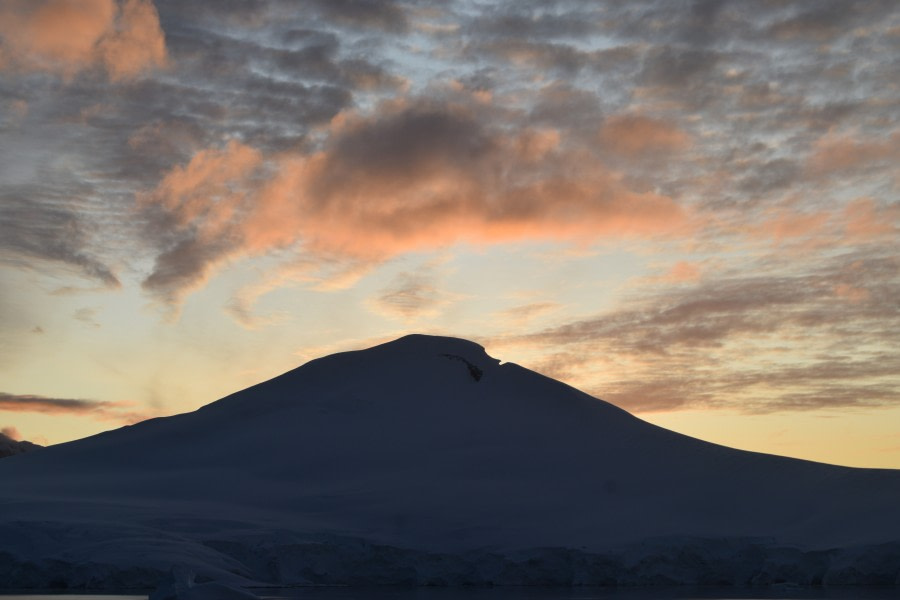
[(424, 460)]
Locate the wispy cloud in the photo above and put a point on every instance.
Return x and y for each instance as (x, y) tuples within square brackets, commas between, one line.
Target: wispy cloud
[(122, 412), (756, 343), (412, 295), (524, 313)]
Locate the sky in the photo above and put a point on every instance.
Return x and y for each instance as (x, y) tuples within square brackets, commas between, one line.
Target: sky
[(689, 209)]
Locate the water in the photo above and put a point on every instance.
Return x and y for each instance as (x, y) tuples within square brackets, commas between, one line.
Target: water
[(524, 593)]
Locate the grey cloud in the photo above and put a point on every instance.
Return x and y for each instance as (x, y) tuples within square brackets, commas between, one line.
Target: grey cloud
[(827, 19), (708, 314), (534, 24), (301, 37), (46, 229), (771, 175), (694, 391), (182, 266), (415, 140), (384, 15), (678, 67), (174, 13), (537, 55), (663, 393), (562, 104)]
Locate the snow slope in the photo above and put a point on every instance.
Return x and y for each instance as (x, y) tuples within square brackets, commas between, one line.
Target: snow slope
[(424, 460)]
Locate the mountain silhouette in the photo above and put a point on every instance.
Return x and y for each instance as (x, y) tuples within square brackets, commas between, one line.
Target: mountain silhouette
[(426, 461)]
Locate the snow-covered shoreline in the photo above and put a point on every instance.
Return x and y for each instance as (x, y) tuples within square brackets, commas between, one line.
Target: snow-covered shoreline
[(728, 563)]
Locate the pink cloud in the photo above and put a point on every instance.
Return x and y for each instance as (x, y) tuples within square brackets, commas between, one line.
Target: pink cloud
[(69, 36), (411, 176)]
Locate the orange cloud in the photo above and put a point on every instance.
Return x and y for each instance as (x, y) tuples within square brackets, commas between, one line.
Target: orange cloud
[(636, 135), (412, 176), (202, 205), (69, 36), (11, 432), (786, 224), (833, 153), (136, 44), (865, 218), (683, 272)]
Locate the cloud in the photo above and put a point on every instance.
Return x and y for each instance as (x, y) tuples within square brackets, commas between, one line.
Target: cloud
[(775, 340), (867, 219), (322, 274), (42, 404), (35, 229), (820, 22), (137, 43), (12, 433), (836, 154), (409, 296), (203, 202), (524, 53), (105, 411), (677, 67), (528, 24), (69, 36), (683, 272), (88, 316), (412, 295), (384, 15), (523, 313), (413, 175), (635, 136)]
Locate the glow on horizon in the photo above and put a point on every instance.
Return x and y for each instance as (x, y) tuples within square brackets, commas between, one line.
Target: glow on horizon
[(690, 213)]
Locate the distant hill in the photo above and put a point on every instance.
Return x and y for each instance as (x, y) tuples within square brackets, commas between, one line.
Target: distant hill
[(10, 447), (426, 461)]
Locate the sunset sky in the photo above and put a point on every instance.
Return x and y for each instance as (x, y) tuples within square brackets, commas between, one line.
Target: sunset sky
[(688, 209)]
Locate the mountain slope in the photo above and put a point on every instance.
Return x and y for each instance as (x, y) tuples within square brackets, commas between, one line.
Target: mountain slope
[(425, 446)]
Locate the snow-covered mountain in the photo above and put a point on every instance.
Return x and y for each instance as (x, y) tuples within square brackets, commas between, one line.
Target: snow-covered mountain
[(10, 447), (424, 460)]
